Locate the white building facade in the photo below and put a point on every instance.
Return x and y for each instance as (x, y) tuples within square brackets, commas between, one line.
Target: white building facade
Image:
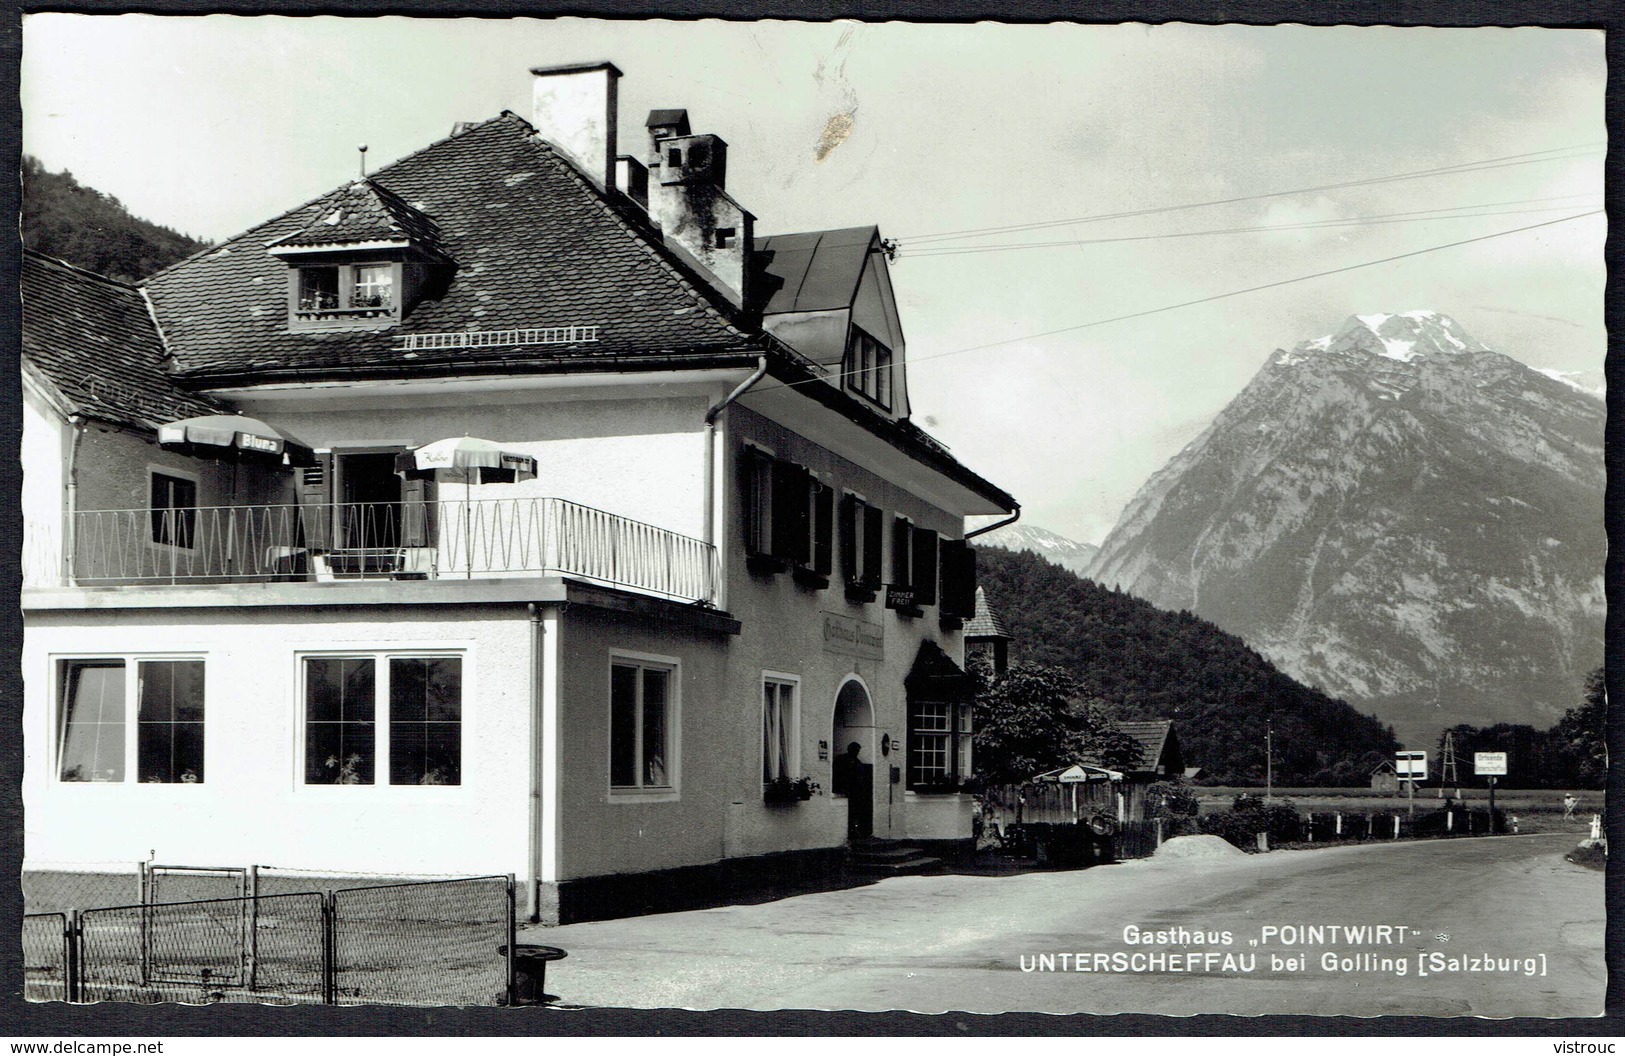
[(645, 668)]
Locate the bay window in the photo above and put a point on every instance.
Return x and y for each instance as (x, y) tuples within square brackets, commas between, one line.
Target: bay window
[(939, 744)]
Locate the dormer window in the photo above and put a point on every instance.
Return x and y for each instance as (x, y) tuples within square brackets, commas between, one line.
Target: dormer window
[(868, 368), (363, 257), (329, 294)]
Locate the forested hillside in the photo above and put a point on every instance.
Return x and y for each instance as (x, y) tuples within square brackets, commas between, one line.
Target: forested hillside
[(1145, 663), (93, 230)]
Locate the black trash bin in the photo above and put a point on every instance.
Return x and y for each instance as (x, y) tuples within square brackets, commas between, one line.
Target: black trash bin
[(530, 971)]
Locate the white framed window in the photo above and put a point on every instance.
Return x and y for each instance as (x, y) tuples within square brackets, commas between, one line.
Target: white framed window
[(382, 717), (119, 717), (172, 502), (939, 744), (781, 727), (374, 286), (643, 724)]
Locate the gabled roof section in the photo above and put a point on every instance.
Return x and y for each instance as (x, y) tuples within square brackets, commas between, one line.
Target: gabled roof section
[(1159, 748), (536, 245), (812, 271), (935, 676), (365, 212), (91, 338)]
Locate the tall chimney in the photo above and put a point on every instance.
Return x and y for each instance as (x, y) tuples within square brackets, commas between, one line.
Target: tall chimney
[(574, 108)]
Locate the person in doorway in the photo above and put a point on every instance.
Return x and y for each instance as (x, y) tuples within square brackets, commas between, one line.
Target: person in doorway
[(845, 770)]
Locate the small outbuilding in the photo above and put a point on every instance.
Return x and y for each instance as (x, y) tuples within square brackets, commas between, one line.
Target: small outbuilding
[(1385, 778)]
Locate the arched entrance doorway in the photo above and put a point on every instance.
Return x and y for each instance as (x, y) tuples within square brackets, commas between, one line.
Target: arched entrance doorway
[(854, 741)]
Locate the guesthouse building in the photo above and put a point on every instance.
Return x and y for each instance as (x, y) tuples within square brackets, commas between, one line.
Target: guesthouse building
[(515, 508)]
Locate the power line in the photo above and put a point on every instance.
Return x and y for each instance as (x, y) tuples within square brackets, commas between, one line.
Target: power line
[(823, 378), (1530, 158), (1308, 225)]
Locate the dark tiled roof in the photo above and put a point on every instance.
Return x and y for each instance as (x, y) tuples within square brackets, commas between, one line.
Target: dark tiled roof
[(985, 623), (536, 245), (811, 271), (1159, 747), (92, 338), (366, 212)]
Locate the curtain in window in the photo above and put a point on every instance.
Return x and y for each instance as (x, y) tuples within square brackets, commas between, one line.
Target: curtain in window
[(91, 737)]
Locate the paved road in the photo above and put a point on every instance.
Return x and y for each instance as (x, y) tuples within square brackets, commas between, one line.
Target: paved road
[(953, 942)]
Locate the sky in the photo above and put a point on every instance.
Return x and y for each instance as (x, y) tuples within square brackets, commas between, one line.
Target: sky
[(212, 124)]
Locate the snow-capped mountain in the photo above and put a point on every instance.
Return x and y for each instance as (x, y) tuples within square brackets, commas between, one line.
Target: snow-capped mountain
[(1074, 556), (1396, 514)]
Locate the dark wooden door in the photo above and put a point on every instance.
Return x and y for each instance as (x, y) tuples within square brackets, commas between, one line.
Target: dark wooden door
[(860, 802)]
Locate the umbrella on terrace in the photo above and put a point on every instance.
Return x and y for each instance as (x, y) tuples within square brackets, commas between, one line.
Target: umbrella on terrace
[(472, 461), (235, 438)]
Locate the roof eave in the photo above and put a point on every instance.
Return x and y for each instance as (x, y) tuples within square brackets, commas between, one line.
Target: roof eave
[(817, 388)]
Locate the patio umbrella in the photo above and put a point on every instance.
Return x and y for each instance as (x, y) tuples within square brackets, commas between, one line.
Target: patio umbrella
[(472, 461), (234, 438)]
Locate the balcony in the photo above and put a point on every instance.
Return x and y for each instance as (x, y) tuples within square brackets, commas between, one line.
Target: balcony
[(443, 540)]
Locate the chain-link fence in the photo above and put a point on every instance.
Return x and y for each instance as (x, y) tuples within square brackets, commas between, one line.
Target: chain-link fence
[(268, 950), (439, 942), (45, 957), (442, 942), (59, 887)]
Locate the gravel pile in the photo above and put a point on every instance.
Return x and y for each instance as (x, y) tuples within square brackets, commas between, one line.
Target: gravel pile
[(1199, 847)]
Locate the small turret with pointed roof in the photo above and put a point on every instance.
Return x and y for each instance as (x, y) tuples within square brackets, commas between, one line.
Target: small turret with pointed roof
[(985, 634)]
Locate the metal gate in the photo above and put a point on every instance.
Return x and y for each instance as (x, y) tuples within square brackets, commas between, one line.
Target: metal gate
[(222, 919)]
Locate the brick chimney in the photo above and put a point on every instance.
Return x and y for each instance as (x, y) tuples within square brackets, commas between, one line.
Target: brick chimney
[(573, 107), (687, 197)]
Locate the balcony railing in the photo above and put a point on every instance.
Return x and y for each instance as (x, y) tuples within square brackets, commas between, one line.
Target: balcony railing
[(466, 539)]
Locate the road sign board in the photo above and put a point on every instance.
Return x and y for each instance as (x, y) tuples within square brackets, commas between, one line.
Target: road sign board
[(1411, 766), (1490, 764)]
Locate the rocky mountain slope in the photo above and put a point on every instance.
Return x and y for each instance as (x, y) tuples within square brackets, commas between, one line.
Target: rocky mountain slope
[(1070, 555), (1396, 514)]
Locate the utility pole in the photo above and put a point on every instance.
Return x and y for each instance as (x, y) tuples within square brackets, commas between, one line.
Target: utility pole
[(1269, 763), (1447, 765)]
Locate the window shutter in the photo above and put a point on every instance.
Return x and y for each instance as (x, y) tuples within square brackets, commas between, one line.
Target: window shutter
[(925, 566), (823, 528), (316, 503), (958, 578), (851, 528), (872, 521), (414, 512), (902, 568), (790, 483)]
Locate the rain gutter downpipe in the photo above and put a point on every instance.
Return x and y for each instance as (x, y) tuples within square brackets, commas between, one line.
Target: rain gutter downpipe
[(70, 531), (717, 408), (537, 630), (1012, 519)]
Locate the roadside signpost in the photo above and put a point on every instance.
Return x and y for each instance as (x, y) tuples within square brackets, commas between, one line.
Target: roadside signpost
[(1490, 765), (1411, 767)]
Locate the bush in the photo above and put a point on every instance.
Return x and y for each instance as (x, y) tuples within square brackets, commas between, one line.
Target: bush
[(1171, 799), (1250, 815)]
